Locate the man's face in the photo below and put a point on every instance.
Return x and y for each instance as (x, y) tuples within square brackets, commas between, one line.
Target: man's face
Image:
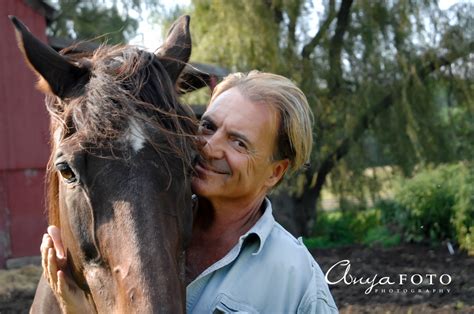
[(238, 143)]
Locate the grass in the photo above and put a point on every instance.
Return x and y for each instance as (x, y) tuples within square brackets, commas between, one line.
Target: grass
[(340, 228)]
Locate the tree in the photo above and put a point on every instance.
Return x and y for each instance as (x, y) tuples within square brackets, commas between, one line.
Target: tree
[(389, 82), (374, 73), (102, 21)]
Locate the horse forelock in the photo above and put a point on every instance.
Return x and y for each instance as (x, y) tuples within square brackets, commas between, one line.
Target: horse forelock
[(129, 93)]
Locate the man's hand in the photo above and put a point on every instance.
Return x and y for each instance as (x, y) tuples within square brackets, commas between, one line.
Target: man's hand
[(53, 259)]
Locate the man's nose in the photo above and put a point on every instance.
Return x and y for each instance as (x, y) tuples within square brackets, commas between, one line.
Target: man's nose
[(213, 146)]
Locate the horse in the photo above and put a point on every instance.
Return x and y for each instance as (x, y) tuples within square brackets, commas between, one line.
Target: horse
[(118, 178)]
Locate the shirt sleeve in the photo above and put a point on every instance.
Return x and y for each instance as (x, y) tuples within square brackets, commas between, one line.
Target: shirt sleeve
[(317, 298)]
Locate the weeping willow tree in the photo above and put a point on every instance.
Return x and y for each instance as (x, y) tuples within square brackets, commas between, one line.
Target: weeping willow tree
[(389, 82)]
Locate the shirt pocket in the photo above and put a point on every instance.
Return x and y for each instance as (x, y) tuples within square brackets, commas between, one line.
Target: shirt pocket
[(225, 304)]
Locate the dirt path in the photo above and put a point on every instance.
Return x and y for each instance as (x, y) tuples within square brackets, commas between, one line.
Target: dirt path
[(17, 286)]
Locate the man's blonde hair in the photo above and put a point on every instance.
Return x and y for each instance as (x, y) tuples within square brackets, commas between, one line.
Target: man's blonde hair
[(294, 136)]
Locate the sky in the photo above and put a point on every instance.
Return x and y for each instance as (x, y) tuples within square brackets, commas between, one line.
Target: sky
[(149, 36)]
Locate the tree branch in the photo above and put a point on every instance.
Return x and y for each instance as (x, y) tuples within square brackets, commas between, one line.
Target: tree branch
[(292, 31), (335, 47), (369, 116), (276, 11), (309, 47)]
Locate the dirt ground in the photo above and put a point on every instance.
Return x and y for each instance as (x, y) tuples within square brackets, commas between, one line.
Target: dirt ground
[(435, 281), (417, 262), (17, 288)]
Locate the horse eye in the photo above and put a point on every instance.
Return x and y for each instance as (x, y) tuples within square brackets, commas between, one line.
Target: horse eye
[(66, 172)]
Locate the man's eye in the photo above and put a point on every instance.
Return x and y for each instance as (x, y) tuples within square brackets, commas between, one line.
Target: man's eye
[(240, 144), (206, 126), (66, 172)]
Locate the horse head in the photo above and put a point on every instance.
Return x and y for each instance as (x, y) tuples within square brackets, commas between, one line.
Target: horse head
[(119, 171)]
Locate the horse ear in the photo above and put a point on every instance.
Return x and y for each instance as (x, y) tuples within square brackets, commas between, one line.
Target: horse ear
[(62, 78), (175, 52)]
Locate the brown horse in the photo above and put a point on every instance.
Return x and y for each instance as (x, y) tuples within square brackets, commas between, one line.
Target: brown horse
[(119, 172)]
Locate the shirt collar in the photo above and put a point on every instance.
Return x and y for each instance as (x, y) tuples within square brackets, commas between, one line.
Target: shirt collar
[(262, 227)]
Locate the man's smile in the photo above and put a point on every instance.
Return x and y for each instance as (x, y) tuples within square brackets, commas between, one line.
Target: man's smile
[(204, 167)]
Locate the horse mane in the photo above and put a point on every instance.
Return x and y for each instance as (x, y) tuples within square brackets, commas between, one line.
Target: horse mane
[(125, 83)]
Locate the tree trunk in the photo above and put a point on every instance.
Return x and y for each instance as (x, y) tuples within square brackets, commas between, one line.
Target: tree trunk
[(297, 214)]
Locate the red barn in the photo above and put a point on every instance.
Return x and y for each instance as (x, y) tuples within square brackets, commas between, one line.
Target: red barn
[(24, 148)]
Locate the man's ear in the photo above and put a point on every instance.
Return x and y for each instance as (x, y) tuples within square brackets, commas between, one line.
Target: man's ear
[(279, 169)]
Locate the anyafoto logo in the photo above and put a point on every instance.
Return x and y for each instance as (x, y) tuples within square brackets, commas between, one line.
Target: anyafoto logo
[(402, 283)]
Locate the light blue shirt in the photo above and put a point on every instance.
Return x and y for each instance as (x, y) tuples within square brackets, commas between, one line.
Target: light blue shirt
[(267, 271)]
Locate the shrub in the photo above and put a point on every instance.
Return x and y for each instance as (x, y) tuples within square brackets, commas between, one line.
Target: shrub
[(436, 204), (334, 228), (382, 236), (337, 228), (463, 219), (321, 242), (391, 213), (427, 204)]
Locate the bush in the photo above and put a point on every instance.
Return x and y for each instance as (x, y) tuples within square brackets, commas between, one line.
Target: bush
[(426, 204), (391, 213), (338, 228), (321, 242), (382, 236), (435, 205), (333, 229), (463, 220)]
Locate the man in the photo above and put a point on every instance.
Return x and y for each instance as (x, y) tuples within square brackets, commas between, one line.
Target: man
[(256, 128)]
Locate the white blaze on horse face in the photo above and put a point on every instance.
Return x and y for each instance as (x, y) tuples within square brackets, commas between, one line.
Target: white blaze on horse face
[(135, 135)]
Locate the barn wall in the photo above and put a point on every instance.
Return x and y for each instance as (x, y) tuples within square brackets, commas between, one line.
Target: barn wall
[(23, 140)]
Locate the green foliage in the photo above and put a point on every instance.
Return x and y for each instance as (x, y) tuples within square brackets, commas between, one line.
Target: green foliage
[(391, 212), (458, 124), (93, 20), (239, 35), (381, 235), (389, 82), (338, 228), (335, 228), (378, 92), (436, 204), (427, 202), (321, 242), (463, 219)]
